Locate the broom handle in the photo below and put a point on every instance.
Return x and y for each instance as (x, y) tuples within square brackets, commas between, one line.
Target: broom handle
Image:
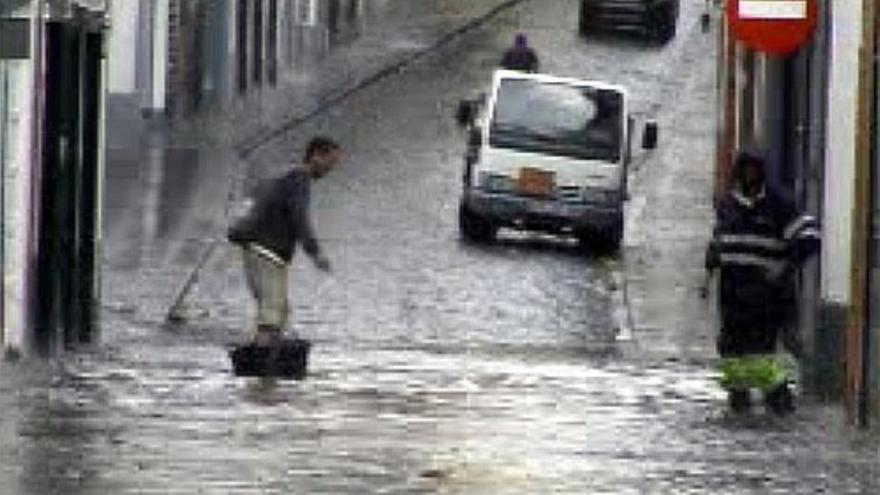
[(193, 276)]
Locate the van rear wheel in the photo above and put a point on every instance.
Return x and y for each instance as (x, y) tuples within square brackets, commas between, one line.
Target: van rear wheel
[(475, 228), (586, 18), (662, 24)]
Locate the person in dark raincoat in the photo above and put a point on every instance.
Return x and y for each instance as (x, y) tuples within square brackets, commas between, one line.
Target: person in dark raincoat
[(520, 56), (759, 240)]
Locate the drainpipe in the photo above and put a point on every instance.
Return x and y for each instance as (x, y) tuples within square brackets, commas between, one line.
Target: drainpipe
[(769, 124), (869, 394), (839, 190), (32, 168), (102, 164), (821, 345), (4, 129), (159, 56), (874, 243), (727, 121), (859, 319)]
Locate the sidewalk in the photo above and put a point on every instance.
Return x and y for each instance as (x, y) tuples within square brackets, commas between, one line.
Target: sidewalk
[(669, 222), (167, 190)]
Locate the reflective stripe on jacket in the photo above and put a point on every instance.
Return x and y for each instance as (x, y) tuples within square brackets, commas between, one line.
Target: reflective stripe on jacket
[(756, 244), (749, 234)]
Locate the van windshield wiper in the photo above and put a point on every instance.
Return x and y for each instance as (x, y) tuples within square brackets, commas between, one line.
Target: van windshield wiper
[(521, 131)]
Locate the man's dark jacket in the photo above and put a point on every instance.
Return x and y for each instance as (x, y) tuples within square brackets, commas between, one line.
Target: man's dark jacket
[(757, 243), (278, 218)]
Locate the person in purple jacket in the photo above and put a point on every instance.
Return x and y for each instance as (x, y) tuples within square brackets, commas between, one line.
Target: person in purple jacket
[(268, 233), (520, 56)]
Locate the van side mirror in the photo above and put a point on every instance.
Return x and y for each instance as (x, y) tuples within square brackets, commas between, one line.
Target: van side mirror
[(649, 136), (630, 127)]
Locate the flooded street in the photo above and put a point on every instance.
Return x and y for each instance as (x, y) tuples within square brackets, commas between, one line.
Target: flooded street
[(409, 421), (438, 367)]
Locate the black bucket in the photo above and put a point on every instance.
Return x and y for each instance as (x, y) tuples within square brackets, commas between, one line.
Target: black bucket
[(286, 359)]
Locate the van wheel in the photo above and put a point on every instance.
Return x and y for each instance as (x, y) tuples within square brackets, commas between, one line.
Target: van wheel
[(475, 228), (608, 242), (585, 19), (662, 24), (584, 240)]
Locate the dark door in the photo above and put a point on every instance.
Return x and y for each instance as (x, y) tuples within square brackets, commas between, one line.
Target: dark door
[(89, 184), (66, 273)]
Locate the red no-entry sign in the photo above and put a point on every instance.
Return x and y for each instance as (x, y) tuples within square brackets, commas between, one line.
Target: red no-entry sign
[(773, 26)]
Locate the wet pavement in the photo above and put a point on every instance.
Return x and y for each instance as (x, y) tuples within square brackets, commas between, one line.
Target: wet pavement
[(438, 367)]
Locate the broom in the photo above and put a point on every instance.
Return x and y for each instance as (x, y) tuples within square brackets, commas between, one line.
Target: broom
[(175, 313)]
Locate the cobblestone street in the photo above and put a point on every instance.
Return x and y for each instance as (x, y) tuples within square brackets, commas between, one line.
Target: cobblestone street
[(438, 367)]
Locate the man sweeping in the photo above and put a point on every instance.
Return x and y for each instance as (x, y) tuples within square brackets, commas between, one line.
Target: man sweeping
[(278, 220)]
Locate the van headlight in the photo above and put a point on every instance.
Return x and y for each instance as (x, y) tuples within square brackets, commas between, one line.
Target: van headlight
[(495, 182), (599, 195)]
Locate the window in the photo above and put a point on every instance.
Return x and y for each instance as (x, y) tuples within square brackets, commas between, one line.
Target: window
[(559, 119), (241, 43), (306, 12), (258, 42), (272, 43)]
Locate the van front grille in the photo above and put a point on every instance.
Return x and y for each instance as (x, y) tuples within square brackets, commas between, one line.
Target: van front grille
[(568, 193)]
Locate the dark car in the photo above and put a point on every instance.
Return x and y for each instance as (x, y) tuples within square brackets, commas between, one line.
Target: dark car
[(656, 19)]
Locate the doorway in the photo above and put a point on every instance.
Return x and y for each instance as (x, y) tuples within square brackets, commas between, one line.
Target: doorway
[(69, 189)]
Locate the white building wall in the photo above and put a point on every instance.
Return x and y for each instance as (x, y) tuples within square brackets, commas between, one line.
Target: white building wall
[(840, 158), (16, 98), (18, 101), (122, 46)]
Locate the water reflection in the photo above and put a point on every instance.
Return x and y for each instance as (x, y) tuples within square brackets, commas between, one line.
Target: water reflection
[(267, 391), (173, 420), (60, 427), (148, 193)]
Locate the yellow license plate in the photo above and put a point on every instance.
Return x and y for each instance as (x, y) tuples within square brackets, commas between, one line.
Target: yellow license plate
[(535, 182)]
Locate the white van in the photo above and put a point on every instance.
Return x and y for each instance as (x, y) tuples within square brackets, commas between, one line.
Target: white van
[(547, 153)]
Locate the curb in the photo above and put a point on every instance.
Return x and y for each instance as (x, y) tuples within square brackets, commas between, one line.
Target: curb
[(625, 306)]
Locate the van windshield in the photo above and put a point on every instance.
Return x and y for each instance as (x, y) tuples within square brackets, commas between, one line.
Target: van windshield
[(559, 119)]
